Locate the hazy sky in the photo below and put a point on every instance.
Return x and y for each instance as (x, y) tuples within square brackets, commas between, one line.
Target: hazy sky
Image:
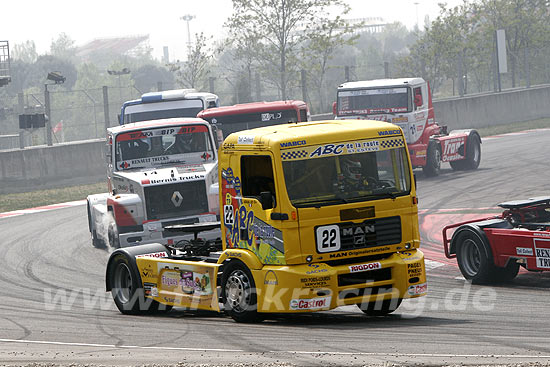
[(43, 20)]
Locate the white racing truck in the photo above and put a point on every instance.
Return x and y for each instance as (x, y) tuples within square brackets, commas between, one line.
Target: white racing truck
[(167, 104), (407, 103), (160, 173)]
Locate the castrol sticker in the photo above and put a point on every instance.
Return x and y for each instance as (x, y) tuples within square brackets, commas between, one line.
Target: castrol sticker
[(310, 304), (364, 267), (159, 254), (415, 290)]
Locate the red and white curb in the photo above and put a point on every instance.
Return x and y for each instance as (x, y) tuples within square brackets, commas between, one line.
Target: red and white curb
[(40, 209)]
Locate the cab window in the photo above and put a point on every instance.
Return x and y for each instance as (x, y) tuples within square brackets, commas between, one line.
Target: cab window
[(258, 179)]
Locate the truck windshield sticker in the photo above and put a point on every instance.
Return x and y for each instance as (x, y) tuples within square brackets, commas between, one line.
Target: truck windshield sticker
[(373, 101), (335, 149), (245, 139), (188, 144)]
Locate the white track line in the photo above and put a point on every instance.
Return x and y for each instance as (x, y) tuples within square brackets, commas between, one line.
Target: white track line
[(40, 209), (436, 355)]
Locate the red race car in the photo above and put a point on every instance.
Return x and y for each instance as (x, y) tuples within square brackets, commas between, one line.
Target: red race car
[(492, 249)]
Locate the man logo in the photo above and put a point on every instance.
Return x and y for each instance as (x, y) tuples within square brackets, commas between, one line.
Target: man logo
[(177, 199)]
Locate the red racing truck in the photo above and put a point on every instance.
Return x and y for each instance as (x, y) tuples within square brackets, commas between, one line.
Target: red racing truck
[(492, 249), (230, 119), (407, 103)]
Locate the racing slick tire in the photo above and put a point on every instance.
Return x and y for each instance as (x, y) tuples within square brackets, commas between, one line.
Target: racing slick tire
[(96, 241), (112, 234), (506, 274), (474, 256), (433, 160), (239, 293), (473, 155), (128, 292), (380, 308)]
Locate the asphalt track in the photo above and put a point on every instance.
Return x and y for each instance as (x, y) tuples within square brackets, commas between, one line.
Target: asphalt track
[(54, 309)]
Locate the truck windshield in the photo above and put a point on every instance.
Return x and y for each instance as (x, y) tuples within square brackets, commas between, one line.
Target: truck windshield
[(374, 101), (162, 110), (347, 178), (189, 144)]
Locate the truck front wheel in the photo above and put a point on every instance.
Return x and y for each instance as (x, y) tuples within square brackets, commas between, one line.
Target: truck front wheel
[(433, 159), (239, 293), (112, 234), (96, 241)]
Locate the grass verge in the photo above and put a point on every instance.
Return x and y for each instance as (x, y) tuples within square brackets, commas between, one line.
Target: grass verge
[(9, 202), (511, 128)]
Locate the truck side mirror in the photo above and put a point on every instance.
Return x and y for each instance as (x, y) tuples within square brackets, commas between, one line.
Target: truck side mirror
[(267, 200), (108, 156), (334, 108)]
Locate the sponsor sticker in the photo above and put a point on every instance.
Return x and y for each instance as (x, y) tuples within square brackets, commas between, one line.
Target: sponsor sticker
[(310, 304), (415, 290), (246, 139), (159, 254), (524, 251), (365, 267), (542, 253)]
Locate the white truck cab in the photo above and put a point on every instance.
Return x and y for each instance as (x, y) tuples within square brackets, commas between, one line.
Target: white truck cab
[(160, 173)]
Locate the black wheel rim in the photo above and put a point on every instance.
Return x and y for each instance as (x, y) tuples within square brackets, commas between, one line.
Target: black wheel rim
[(471, 257), (122, 282), (237, 291)]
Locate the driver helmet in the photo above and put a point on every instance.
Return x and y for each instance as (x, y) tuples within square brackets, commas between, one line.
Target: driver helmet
[(351, 169), (186, 139)]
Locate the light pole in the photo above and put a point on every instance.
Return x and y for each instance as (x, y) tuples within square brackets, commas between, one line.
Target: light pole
[(118, 73), (188, 18), (57, 78), (417, 26)]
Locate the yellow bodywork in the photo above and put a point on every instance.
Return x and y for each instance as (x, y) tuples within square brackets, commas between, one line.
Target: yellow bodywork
[(280, 245)]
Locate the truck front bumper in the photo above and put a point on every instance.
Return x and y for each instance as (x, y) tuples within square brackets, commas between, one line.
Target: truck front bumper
[(153, 232), (319, 286)]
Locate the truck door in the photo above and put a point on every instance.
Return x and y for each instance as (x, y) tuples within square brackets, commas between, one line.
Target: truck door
[(251, 204)]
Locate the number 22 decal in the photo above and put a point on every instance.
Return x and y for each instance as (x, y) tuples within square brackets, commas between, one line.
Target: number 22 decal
[(228, 215), (328, 238)]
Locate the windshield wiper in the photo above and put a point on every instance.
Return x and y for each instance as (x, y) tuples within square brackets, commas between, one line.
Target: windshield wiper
[(173, 161), (320, 202)]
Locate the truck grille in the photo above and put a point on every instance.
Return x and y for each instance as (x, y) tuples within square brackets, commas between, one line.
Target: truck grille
[(176, 200), (370, 233)]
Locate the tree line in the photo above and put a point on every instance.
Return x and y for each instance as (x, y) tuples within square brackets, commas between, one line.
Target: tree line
[(303, 49)]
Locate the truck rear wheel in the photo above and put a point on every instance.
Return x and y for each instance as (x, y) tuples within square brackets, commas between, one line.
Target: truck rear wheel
[(506, 274), (472, 156), (239, 293), (127, 290), (474, 257), (433, 159), (380, 308), (473, 152)]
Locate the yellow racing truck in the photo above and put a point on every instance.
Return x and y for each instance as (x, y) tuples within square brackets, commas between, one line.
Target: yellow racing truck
[(314, 216)]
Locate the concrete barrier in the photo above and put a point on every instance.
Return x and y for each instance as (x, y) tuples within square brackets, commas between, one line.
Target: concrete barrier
[(84, 162), (490, 109), (44, 167)]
